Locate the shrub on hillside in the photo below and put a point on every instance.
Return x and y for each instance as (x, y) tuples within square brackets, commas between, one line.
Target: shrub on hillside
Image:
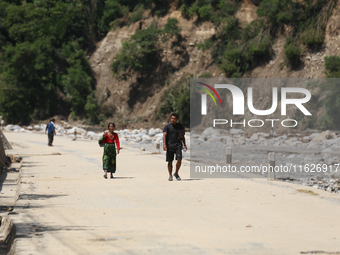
[(228, 68), (205, 75), (260, 51), (205, 12), (292, 52), (177, 99), (137, 14), (332, 66), (312, 37), (252, 30)]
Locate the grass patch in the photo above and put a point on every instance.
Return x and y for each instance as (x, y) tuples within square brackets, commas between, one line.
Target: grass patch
[(309, 192)]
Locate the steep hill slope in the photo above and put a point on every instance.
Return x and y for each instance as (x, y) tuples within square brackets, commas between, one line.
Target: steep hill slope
[(135, 103)]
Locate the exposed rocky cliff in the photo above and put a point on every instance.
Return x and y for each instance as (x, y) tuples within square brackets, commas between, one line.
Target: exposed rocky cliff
[(135, 104)]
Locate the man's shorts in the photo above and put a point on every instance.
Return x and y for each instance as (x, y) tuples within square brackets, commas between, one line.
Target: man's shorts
[(170, 152)]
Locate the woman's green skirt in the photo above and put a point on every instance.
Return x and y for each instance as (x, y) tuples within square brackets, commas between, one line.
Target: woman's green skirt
[(109, 157)]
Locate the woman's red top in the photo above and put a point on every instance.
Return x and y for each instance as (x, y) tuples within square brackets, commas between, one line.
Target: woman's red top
[(115, 139)]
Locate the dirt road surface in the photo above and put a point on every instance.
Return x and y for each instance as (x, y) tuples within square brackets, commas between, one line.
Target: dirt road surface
[(67, 207)]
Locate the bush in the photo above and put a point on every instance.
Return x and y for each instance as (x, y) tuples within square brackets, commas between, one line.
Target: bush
[(177, 99), (137, 14), (252, 30), (332, 66), (234, 55), (192, 10), (205, 12), (312, 37), (205, 75), (228, 68), (227, 7), (112, 12), (284, 17), (207, 44), (292, 52), (260, 51), (138, 55), (184, 11)]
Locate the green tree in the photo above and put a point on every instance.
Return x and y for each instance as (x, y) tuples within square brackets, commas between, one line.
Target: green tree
[(138, 55)]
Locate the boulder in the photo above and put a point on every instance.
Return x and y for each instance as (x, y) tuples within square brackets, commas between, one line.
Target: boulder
[(70, 131), (327, 150), (208, 131), (9, 127), (37, 127), (153, 133), (254, 137), (323, 136), (91, 133), (146, 138), (159, 135), (235, 131)]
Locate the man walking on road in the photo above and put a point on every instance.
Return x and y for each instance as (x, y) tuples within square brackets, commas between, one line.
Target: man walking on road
[(173, 136), (51, 132)]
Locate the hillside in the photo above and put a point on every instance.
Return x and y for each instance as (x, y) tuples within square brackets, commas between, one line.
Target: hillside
[(131, 61), (136, 103)]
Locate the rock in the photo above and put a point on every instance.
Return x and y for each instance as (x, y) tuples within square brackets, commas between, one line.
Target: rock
[(153, 133), (235, 131), (81, 131), (159, 135), (208, 131), (37, 127), (139, 135), (323, 136), (125, 132), (254, 137), (142, 149), (314, 135), (91, 133), (327, 150), (138, 139), (336, 175), (146, 138), (312, 145), (8, 127), (70, 131)]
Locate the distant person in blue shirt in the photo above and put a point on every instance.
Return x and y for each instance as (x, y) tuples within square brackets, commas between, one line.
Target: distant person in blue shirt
[(51, 132)]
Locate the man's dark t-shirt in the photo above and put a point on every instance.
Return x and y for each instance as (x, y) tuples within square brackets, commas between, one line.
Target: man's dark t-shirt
[(174, 135)]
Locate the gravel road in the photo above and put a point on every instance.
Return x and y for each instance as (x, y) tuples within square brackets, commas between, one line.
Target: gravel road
[(65, 206)]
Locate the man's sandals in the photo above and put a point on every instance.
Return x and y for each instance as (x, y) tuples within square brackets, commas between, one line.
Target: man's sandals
[(177, 177)]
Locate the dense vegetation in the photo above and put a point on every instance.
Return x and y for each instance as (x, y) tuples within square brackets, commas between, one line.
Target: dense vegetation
[(238, 50), (45, 46)]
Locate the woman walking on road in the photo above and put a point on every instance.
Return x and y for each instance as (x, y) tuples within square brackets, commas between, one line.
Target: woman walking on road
[(110, 141)]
